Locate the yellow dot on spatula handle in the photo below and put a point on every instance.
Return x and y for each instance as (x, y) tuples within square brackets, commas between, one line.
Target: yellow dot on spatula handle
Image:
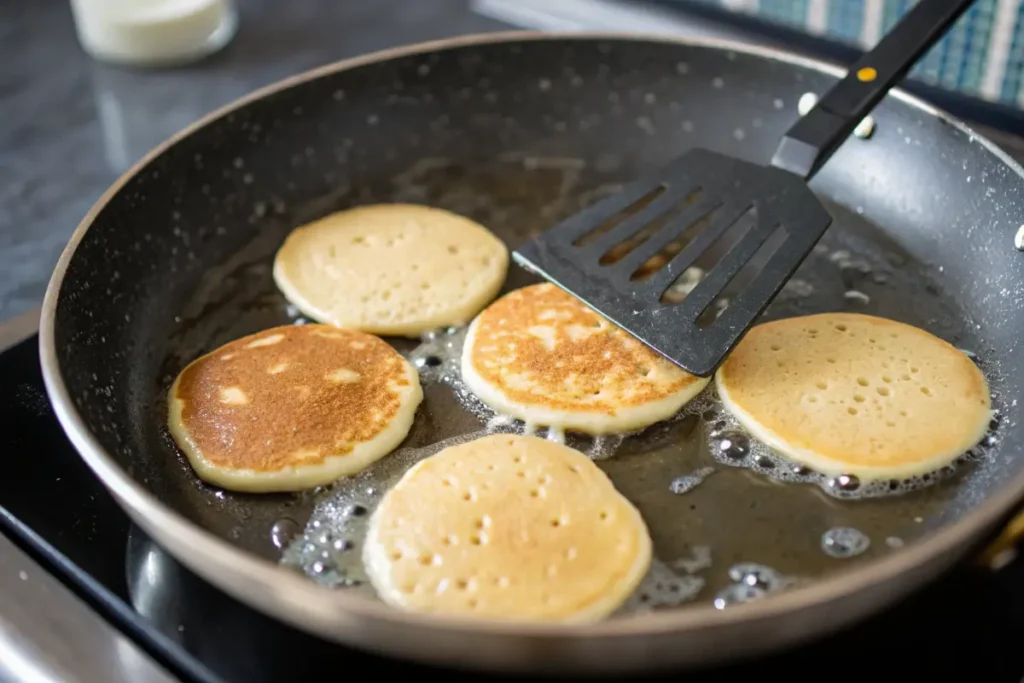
[(867, 74)]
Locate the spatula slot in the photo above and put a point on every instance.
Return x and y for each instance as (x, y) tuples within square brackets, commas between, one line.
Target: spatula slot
[(742, 279), (679, 241), (682, 286), (651, 228), (617, 217), (729, 234)]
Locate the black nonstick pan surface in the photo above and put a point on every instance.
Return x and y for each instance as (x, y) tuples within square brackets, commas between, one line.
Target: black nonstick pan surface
[(518, 132)]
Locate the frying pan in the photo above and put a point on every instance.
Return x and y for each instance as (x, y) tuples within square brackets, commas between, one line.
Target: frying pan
[(518, 131)]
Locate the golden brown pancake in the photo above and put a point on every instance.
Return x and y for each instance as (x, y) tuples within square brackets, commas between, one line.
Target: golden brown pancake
[(540, 355), (510, 528), (292, 407), (854, 394)]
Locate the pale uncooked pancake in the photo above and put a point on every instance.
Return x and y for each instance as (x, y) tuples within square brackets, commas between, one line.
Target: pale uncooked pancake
[(854, 394), (392, 269), (292, 407), (540, 355), (507, 527)]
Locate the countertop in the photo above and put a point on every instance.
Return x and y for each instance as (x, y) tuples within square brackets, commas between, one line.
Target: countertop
[(70, 126)]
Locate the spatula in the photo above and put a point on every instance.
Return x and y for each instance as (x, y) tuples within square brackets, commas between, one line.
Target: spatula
[(632, 256)]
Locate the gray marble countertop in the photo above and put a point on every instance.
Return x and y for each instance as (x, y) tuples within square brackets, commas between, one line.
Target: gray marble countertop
[(70, 126)]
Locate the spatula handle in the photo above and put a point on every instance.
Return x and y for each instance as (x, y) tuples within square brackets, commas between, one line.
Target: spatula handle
[(811, 141)]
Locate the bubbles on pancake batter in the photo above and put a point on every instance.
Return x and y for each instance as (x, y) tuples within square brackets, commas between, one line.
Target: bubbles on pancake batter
[(327, 556), (758, 576), (698, 560), (426, 362), (329, 549), (283, 531), (688, 482), (844, 542), (751, 581), (729, 444), (855, 296), (732, 445), (600, 447), (501, 423), (604, 446), (844, 482), (437, 357), (662, 587), (669, 584), (735, 594), (295, 315)]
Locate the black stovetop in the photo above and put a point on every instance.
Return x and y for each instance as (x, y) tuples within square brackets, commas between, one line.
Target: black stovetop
[(57, 509)]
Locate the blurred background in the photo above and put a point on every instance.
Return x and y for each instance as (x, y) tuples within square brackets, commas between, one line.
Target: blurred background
[(88, 86)]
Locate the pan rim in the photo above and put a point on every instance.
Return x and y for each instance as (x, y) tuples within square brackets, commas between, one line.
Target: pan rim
[(286, 594)]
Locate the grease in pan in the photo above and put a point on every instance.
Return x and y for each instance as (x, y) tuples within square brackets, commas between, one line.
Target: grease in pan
[(292, 407)]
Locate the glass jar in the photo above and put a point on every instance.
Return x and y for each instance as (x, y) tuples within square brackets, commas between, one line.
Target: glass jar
[(154, 32)]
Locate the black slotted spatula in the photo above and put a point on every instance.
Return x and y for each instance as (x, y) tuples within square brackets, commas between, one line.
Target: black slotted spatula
[(632, 256)]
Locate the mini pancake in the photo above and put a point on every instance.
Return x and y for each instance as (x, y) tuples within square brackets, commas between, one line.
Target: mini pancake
[(540, 355), (507, 527), (292, 407), (854, 394), (391, 269)]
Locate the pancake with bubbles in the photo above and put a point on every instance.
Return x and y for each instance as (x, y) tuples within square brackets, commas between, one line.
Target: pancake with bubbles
[(507, 527), (391, 269), (851, 394)]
